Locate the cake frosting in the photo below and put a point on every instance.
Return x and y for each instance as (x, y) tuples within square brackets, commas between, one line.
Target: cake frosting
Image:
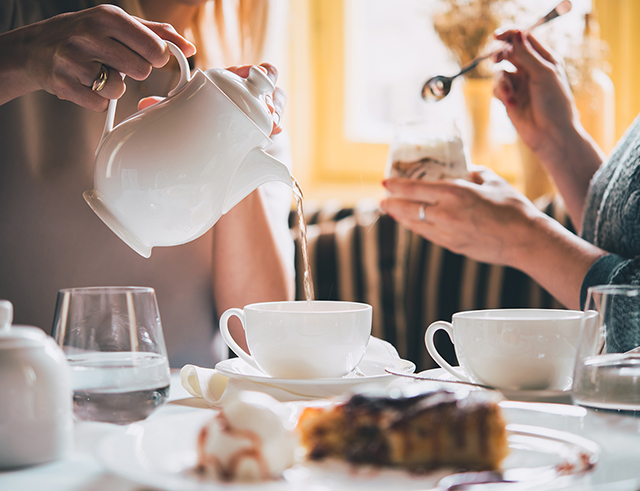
[(250, 439)]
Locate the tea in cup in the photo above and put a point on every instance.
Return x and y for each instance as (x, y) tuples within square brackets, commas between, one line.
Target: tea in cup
[(302, 339), (512, 349)]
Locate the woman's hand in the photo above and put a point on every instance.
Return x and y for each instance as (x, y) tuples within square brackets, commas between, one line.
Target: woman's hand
[(64, 54), (537, 95), (275, 102), (484, 218), (278, 98), (488, 220)]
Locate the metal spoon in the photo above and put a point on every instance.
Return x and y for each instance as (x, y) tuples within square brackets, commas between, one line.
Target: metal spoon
[(442, 381), (438, 87)]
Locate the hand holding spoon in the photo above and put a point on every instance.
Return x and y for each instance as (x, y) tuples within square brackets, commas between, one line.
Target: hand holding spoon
[(438, 87)]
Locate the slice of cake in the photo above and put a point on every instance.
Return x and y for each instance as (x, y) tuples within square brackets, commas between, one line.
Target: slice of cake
[(462, 429)]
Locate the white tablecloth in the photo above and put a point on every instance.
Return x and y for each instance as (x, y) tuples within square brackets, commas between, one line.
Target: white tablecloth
[(618, 469)]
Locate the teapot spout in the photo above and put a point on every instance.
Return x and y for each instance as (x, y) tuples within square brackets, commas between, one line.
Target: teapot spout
[(257, 168), (99, 205)]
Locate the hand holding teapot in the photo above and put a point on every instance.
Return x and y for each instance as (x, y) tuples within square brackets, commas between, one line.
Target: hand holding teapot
[(276, 106), (165, 175)]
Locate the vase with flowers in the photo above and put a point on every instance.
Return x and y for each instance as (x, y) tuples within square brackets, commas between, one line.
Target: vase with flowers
[(465, 27)]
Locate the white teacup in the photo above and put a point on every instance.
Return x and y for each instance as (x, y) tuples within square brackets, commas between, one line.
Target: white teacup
[(302, 340), (512, 349)]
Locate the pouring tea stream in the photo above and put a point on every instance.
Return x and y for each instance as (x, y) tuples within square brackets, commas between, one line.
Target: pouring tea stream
[(165, 175)]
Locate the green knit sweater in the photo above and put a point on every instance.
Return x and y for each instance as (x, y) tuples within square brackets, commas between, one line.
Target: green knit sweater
[(612, 222)]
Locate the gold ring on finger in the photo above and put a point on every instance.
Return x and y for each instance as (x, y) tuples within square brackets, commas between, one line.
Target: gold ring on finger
[(101, 79)]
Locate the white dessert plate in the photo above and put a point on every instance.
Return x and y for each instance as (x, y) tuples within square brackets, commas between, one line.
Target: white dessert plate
[(162, 454), (557, 396), (370, 370)]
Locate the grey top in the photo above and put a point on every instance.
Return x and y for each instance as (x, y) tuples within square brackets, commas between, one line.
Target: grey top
[(50, 239), (612, 221)]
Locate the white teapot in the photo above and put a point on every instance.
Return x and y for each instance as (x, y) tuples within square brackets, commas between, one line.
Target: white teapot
[(165, 175), (36, 423)]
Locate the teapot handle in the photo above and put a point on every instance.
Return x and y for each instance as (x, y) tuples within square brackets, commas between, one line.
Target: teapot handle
[(185, 76)]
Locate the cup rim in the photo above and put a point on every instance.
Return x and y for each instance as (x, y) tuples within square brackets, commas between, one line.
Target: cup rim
[(629, 290), (107, 289), (263, 307), (494, 314)]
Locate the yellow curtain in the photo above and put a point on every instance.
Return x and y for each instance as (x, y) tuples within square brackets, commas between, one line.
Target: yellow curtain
[(327, 164), (619, 21), (330, 166)]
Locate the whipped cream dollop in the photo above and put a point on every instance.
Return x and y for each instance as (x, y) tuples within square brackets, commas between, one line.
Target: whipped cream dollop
[(252, 438)]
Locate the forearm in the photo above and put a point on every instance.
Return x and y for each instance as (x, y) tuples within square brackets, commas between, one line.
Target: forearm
[(14, 80), (557, 259), (248, 267), (572, 159)]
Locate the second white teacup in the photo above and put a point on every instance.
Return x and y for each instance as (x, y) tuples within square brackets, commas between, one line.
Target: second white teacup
[(512, 349), (302, 340)]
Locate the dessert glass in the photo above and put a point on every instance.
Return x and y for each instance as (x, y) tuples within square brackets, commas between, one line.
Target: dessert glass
[(429, 150)]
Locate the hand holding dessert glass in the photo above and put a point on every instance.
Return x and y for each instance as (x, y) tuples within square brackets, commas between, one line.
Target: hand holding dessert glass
[(113, 341), (428, 151)]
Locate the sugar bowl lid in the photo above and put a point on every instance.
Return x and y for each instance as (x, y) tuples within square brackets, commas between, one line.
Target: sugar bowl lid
[(17, 336)]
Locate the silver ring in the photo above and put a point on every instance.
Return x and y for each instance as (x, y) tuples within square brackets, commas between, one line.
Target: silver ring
[(421, 211), (101, 79)]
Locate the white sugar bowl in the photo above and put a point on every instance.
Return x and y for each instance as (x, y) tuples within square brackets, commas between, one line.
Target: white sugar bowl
[(36, 424)]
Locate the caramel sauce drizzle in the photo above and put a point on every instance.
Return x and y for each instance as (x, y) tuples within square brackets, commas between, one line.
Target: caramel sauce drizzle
[(228, 473)]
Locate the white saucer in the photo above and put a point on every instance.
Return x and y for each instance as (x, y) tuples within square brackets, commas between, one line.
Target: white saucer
[(557, 396), (372, 370)]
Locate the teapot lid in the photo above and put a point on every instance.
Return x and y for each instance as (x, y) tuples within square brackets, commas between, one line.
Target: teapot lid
[(247, 93), (17, 336)]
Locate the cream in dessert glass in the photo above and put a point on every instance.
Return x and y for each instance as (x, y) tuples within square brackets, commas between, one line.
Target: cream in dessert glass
[(427, 150)]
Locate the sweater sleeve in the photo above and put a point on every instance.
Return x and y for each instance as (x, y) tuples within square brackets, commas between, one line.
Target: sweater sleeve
[(601, 273)]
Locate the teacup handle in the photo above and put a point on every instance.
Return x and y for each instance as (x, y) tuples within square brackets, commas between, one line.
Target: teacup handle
[(185, 76), (431, 347), (226, 335)]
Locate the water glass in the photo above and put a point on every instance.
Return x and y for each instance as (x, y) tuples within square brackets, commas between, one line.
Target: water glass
[(607, 370), (112, 338)]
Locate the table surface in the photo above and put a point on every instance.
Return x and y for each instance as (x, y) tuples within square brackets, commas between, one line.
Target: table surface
[(618, 435)]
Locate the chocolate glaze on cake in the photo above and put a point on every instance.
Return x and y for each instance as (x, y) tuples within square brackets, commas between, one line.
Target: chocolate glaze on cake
[(424, 430)]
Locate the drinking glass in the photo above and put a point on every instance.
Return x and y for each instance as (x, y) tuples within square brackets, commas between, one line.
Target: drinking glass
[(426, 149), (112, 337), (607, 370)]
